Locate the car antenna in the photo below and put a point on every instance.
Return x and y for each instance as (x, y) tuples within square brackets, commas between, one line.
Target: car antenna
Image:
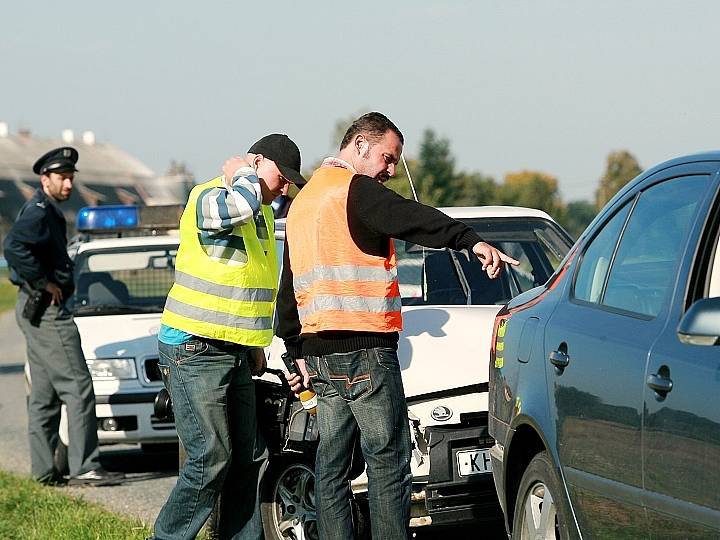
[(410, 180), (414, 193)]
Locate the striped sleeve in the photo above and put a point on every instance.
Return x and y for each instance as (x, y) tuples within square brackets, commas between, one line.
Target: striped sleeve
[(221, 209)]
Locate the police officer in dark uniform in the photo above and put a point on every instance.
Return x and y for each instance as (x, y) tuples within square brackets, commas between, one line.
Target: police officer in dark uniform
[(36, 251)]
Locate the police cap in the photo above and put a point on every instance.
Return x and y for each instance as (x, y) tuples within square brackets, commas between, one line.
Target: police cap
[(58, 160)]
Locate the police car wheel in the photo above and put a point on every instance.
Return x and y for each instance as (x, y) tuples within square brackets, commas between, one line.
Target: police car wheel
[(288, 502), (61, 459)]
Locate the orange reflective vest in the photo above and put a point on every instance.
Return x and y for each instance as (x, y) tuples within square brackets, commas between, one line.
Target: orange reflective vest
[(337, 286)]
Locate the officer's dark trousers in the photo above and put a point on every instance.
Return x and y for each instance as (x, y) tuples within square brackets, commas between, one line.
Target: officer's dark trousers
[(59, 375)]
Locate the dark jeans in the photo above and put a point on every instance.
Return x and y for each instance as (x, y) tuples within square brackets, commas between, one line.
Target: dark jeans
[(59, 375), (362, 391), (213, 398)]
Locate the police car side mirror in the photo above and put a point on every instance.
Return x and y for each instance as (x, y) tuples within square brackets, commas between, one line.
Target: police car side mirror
[(701, 323)]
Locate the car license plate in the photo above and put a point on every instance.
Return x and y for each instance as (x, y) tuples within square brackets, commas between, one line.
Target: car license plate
[(473, 462)]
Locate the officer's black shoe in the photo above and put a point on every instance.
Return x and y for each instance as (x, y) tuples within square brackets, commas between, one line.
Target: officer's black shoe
[(97, 477), (52, 479)]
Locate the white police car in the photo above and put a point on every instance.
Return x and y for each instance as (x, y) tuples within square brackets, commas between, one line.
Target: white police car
[(121, 286), (124, 267)]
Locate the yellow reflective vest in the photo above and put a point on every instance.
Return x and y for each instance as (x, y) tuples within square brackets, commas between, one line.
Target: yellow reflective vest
[(223, 299)]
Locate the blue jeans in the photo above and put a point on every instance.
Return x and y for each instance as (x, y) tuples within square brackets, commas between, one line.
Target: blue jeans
[(213, 399), (362, 391)]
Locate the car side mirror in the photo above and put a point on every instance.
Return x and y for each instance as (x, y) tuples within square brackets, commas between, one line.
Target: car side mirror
[(701, 323)]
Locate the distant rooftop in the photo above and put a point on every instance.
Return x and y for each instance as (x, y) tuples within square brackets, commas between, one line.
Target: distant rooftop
[(107, 174), (99, 162)]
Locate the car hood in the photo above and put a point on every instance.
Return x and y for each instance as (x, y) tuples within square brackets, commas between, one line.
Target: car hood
[(442, 348), (111, 336)]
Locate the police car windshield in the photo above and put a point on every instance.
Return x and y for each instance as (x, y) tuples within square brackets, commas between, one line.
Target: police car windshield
[(132, 280), (441, 277)]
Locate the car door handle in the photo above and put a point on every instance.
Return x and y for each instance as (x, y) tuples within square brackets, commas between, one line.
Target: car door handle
[(559, 359), (662, 385)]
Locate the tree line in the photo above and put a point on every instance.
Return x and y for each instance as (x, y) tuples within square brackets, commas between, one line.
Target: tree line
[(438, 182)]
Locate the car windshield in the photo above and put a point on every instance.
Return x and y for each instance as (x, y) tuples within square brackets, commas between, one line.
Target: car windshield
[(133, 280), (446, 277)]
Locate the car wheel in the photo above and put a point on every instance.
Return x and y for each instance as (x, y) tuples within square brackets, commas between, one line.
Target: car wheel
[(288, 501), (541, 508)]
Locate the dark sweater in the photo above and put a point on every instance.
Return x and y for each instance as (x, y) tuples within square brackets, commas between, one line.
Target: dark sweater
[(375, 214), (36, 246)]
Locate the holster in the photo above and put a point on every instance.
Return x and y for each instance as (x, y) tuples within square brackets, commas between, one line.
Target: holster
[(36, 304)]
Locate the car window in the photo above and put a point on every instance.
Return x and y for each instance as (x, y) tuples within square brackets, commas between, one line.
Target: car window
[(123, 281), (596, 259), (706, 283), (645, 266), (441, 277)]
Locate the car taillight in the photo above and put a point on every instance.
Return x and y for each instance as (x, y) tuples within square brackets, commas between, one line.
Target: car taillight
[(497, 344)]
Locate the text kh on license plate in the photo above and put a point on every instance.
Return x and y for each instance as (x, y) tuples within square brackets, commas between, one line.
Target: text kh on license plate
[(473, 462)]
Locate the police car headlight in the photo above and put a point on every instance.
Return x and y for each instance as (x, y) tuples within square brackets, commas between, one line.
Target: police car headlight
[(112, 368)]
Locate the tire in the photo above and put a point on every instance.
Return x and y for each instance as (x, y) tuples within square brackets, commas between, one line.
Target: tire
[(288, 501), (541, 508), (289, 484), (61, 459), (361, 519)]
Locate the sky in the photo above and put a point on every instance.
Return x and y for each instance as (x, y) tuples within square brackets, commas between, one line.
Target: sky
[(545, 85)]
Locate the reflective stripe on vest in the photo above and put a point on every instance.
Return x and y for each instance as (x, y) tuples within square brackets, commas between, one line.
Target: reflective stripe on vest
[(328, 302), (338, 286), (224, 299), (218, 317), (343, 273), (226, 291)]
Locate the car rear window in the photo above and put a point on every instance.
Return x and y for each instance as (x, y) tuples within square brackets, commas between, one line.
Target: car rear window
[(446, 277)]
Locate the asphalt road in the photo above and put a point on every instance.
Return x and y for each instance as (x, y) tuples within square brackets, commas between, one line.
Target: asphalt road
[(149, 477)]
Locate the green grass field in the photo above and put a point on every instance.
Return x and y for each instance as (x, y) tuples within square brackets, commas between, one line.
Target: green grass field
[(31, 511)]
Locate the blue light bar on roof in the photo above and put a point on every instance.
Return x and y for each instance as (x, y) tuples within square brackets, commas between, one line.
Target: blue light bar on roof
[(107, 218)]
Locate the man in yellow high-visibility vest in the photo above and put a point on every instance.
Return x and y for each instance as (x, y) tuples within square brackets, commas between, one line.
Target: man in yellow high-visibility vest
[(217, 318)]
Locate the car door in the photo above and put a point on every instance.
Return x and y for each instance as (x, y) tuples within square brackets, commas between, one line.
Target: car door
[(681, 432), (597, 344)]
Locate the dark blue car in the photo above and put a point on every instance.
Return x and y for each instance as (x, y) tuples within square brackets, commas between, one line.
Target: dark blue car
[(605, 382)]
